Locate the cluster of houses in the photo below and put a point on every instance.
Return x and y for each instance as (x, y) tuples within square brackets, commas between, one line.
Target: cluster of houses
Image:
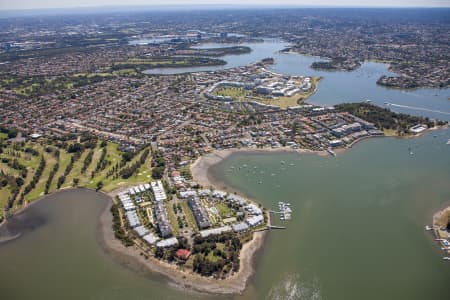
[(254, 213), (283, 86), (132, 197), (261, 83), (160, 209)]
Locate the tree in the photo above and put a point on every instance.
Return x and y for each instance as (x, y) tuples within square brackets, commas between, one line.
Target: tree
[(99, 185), (12, 133)]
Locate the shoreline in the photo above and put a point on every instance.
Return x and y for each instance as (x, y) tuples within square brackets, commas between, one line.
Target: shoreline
[(439, 228), (28, 204), (134, 258), (437, 217), (186, 280), (200, 168)]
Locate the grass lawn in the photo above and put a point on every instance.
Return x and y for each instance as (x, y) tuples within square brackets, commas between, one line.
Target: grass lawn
[(142, 175), (38, 191), (189, 216), (285, 102), (212, 257), (76, 171), (7, 170), (92, 166), (390, 132), (233, 92), (25, 159), (90, 75), (220, 246), (64, 160), (113, 156), (224, 210), (125, 72), (172, 218), (5, 192)]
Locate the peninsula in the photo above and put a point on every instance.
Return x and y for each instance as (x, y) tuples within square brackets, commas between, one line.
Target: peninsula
[(80, 109), (165, 209)]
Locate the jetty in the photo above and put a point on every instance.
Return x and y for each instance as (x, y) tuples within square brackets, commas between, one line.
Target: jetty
[(276, 227), (331, 152)]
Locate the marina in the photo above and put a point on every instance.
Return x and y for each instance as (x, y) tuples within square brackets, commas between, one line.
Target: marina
[(326, 194), (285, 211), (443, 242), (296, 254)]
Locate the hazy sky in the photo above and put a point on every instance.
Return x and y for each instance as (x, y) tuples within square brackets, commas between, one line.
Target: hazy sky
[(31, 4)]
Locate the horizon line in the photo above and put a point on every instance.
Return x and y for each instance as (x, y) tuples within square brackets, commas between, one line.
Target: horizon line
[(217, 6)]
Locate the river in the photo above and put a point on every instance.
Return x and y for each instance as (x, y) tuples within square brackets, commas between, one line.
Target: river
[(356, 233), (358, 219), (336, 86)]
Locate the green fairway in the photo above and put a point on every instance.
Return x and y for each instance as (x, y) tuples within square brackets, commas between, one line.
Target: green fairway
[(38, 191), (29, 155)]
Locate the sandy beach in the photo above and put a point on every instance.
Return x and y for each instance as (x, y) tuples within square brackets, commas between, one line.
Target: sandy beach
[(440, 218)]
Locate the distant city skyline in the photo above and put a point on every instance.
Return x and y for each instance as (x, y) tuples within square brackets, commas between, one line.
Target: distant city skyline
[(46, 4)]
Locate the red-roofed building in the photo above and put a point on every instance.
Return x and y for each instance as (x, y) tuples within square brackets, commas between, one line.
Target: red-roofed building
[(183, 254)]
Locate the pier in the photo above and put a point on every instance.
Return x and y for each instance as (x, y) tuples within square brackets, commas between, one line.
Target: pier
[(276, 227)]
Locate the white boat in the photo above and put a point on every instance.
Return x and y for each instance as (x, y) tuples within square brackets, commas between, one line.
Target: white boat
[(446, 258), (427, 228), (448, 142)]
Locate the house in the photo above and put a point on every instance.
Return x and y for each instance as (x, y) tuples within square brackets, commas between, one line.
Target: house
[(255, 220), (418, 128), (167, 243), (239, 227), (183, 254)]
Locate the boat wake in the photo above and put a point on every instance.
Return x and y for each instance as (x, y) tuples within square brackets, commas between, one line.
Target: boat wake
[(420, 108), (292, 288)]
